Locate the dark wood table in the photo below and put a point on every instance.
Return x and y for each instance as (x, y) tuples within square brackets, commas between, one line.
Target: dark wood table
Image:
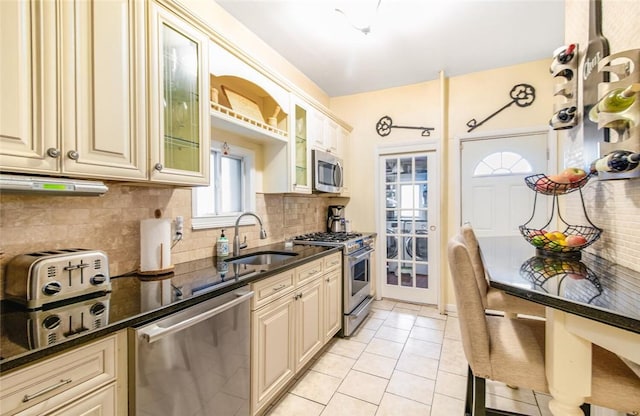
[(588, 301)]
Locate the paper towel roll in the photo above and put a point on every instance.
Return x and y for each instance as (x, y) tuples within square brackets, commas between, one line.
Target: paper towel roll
[(155, 244)]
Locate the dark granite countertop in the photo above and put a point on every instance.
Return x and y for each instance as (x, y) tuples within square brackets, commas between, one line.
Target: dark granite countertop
[(135, 300), (591, 287)]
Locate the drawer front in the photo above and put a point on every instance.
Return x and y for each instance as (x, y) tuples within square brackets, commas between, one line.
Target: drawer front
[(99, 403), (55, 381), (332, 262), (308, 272), (272, 288)]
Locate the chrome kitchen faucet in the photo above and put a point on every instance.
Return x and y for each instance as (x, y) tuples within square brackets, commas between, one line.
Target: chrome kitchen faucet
[(236, 238)]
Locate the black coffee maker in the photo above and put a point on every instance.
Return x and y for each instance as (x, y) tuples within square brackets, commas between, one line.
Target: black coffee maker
[(335, 219)]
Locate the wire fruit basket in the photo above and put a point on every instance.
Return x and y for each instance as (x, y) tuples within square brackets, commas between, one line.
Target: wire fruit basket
[(545, 185), (541, 271), (573, 238)]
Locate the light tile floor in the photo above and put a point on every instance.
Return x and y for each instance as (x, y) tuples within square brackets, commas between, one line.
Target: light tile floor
[(404, 360)]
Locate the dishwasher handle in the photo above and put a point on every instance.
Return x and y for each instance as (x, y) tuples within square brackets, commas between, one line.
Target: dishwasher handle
[(155, 332)]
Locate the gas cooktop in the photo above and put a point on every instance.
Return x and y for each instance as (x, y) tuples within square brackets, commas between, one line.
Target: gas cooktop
[(337, 237), (350, 242)]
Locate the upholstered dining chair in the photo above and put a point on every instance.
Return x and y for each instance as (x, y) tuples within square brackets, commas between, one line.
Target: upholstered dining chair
[(512, 351), (495, 299)]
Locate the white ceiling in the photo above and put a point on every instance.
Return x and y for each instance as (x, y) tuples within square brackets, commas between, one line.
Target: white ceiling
[(410, 40)]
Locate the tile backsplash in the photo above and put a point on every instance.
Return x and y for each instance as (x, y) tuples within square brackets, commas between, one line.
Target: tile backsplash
[(613, 206), (111, 223)]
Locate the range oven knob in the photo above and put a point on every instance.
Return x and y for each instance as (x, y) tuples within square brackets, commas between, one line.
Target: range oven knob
[(52, 288), (51, 322), (97, 309), (98, 279)]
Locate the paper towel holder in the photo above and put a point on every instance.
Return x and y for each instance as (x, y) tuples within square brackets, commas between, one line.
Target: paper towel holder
[(160, 272), (162, 256)]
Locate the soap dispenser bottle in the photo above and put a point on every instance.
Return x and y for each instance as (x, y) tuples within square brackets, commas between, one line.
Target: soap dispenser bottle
[(223, 245)]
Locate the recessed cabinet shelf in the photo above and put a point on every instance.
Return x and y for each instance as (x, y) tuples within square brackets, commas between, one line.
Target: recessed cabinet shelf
[(227, 119), (240, 106)]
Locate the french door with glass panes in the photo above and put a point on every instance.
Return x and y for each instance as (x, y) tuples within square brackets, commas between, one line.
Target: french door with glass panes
[(410, 194)]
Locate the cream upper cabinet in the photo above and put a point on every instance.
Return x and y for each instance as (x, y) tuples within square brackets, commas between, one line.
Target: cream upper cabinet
[(299, 149), (28, 125), (331, 136), (178, 98), (315, 132), (323, 132), (344, 153), (103, 105), (72, 88)]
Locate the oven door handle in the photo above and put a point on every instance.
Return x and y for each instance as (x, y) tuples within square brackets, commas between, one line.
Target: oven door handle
[(359, 256), (155, 332)]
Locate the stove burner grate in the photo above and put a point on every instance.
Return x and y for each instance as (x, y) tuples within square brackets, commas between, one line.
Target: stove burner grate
[(328, 237)]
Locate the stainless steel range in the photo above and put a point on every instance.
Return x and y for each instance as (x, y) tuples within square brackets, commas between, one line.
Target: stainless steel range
[(356, 288)]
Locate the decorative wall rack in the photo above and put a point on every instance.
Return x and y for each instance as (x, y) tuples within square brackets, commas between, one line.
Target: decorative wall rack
[(385, 124), (523, 95)]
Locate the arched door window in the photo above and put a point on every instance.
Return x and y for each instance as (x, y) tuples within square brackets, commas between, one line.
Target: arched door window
[(502, 163)]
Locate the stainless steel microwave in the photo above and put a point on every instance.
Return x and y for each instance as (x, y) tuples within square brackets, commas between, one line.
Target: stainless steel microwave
[(327, 172)]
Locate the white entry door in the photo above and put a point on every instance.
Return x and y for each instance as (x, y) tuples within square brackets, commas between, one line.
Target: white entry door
[(494, 196), (409, 197)]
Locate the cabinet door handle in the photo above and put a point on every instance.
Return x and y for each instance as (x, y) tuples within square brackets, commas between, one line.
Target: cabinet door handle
[(53, 152), (73, 155), (158, 167), (327, 279), (28, 397), (277, 288)]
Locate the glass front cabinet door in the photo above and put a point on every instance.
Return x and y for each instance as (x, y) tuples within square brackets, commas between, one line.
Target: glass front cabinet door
[(179, 85), (300, 155)]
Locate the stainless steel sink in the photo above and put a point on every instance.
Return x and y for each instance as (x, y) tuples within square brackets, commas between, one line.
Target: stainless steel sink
[(262, 257)]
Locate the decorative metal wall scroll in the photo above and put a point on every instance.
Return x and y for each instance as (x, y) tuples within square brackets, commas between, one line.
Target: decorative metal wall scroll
[(522, 95), (385, 124)]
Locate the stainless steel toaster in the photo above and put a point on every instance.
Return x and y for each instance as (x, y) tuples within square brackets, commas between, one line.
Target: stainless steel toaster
[(44, 277)]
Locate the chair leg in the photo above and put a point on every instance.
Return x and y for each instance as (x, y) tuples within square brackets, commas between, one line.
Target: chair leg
[(468, 403), (475, 402), (479, 396), (586, 409)]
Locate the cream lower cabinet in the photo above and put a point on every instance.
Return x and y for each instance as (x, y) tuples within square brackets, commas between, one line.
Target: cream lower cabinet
[(272, 349), (309, 322), (72, 93), (99, 403), (294, 314), (88, 380), (332, 286)]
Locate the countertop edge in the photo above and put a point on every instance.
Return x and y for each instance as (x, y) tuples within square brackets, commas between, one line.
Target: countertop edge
[(589, 312), (41, 353)]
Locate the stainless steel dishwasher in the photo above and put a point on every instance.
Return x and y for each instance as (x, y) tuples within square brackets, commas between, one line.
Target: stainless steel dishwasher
[(194, 362)]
